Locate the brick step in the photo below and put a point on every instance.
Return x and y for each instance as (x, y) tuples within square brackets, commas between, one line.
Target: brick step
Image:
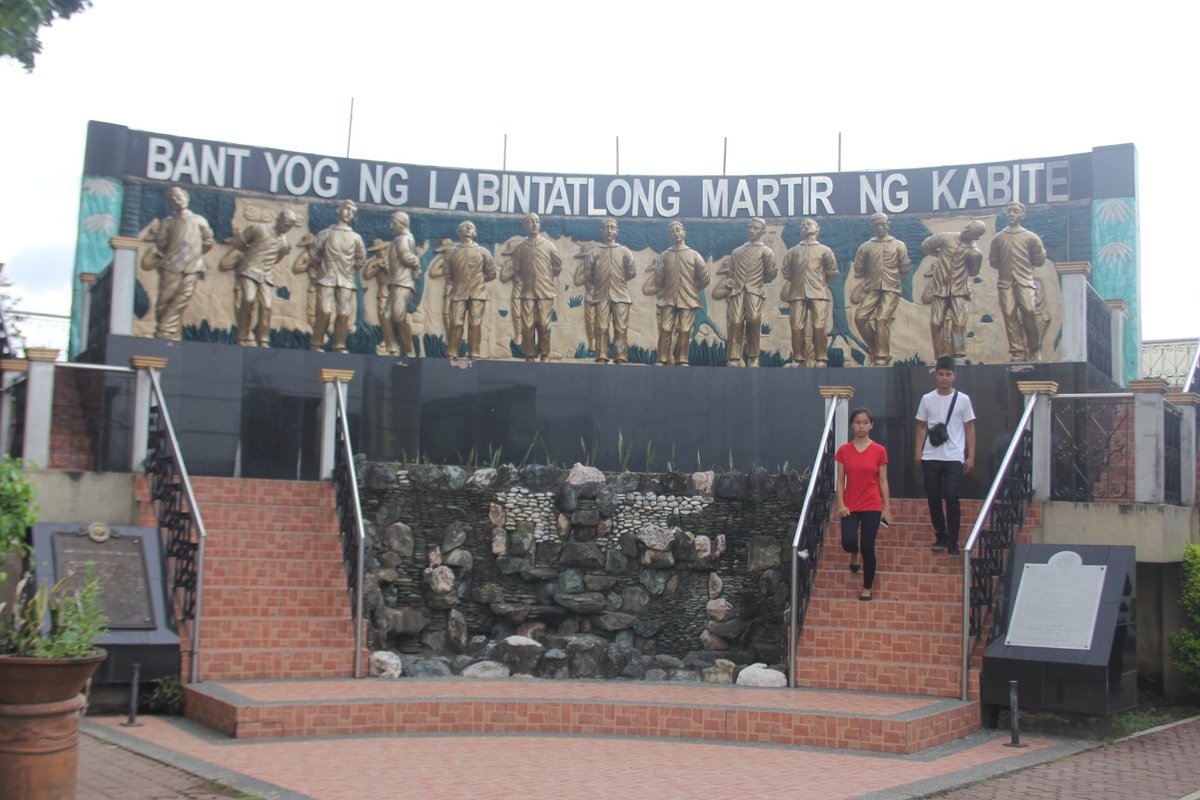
[(880, 644), (303, 519), (259, 491), (278, 571), (865, 721), (275, 631), (248, 663), (885, 612), (325, 545), (894, 560), (260, 601), (914, 587), (876, 675)]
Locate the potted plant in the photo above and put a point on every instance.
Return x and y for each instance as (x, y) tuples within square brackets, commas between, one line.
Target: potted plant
[(47, 655)]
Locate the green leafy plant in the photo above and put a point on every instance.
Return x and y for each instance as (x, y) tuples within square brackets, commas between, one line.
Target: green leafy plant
[(622, 452), (649, 456), (17, 509), (167, 697), (1185, 643), (76, 619)]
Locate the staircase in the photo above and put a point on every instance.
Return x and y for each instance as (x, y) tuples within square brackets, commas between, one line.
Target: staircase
[(275, 597), (907, 640)]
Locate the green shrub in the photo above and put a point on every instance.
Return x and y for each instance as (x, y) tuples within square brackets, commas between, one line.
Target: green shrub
[(17, 511), (1185, 644)]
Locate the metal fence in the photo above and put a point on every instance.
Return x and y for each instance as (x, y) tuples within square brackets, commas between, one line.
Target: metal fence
[(1099, 333), (1169, 359), (1092, 448), (1172, 455)]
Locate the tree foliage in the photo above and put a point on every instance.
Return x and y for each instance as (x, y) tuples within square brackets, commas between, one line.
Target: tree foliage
[(22, 20), (1185, 644)]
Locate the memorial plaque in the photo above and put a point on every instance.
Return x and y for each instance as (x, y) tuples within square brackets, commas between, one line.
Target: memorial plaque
[(120, 566), (1056, 604)]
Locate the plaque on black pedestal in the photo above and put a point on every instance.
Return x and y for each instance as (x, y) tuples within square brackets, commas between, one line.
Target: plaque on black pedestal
[(128, 562), (1066, 631)]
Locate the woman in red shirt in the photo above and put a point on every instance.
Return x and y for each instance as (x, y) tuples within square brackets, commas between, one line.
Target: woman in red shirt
[(863, 497)]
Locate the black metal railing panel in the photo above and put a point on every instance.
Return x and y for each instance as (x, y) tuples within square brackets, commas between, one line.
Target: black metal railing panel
[(1092, 449), (179, 524), (809, 539), (16, 440), (1099, 333), (99, 308), (1172, 455), (350, 520)]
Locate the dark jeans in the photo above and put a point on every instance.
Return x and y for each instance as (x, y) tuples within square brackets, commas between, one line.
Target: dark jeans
[(858, 533), (943, 483)]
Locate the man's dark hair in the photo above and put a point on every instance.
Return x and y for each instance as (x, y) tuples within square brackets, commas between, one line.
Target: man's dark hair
[(946, 362)]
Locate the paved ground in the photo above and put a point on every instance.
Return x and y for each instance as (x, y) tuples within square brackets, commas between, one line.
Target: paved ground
[(170, 758)]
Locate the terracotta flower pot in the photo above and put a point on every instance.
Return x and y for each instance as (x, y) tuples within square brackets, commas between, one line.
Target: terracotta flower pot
[(41, 706)]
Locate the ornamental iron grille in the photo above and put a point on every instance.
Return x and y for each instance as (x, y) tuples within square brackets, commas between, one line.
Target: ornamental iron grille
[(1169, 359), (1172, 458), (1099, 333), (1004, 520), (1092, 450)]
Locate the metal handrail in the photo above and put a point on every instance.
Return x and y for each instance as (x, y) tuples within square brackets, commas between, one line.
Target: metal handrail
[(814, 476), (193, 510), (350, 476), (984, 510)]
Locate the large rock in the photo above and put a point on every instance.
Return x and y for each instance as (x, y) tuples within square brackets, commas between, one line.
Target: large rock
[(599, 583), (454, 536), (439, 579), (406, 621), (625, 483), (499, 541), (516, 613), (428, 668), (456, 477), (398, 538), (762, 553), (540, 477), (716, 584), (555, 664), (656, 537), (606, 501), (521, 653), (614, 659), (635, 600), (762, 485), (460, 559), (584, 665), (730, 629), (378, 477), (712, 642), (582, 554), (675, 484), (702, 482), (655, 580), (425, 476), (720, 609), (521, 541), (656, 559), (584, 603), (456, 631), (482, 478), (615, 621), (581, 475), (729, 485), (570, 581), (761, 675), (510, 565), (486, 670), (615, 562), (487, 593), (385, 664)]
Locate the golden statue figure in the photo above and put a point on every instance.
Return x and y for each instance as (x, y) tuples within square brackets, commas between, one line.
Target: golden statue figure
[(808, 269), (881, 263), (680, 274), (399, 270), (468, 266), (1015, 254), (376, 269), (509, 275), (256, 249), (336, 254), (180, 242), (751, 266), (607, 272), (580, 278), (537, 264), (949, 290)]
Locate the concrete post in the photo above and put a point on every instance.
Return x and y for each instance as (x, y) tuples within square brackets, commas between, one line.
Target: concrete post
[(841, 395), (1041, 425), (12, 369), (1074, 275), (1148, 437), (39, 404), (330, 378), (1120, 313), (124, 275), (88, 280), (141, 408), (1187, 404)]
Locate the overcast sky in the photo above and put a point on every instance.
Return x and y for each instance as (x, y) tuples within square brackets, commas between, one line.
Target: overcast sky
[(906, 84)]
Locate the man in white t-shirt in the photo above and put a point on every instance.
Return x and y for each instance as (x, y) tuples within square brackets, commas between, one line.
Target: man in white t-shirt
[(943, 465)]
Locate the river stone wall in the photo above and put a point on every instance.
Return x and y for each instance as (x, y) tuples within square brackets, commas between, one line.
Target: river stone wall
[(574, 573)]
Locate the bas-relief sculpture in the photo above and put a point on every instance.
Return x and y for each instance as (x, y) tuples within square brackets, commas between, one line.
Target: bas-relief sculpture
[(180, 242), (881, 263), (808, 269), (670, 315), (467, 267), (1015, 253), (336, 254)]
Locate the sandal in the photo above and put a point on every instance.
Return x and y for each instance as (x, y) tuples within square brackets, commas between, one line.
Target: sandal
[(865, 597), (853, 565)]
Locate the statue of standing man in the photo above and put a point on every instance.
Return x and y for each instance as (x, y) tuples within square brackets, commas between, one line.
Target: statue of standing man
[(537, 264), (468, 267), (680, 274), (180, 243), (607, 272), (881, 263), (750, 267), (262, 246), (808, 268), (958, 260), (1015, 254), (402, 267), (338, 252)]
